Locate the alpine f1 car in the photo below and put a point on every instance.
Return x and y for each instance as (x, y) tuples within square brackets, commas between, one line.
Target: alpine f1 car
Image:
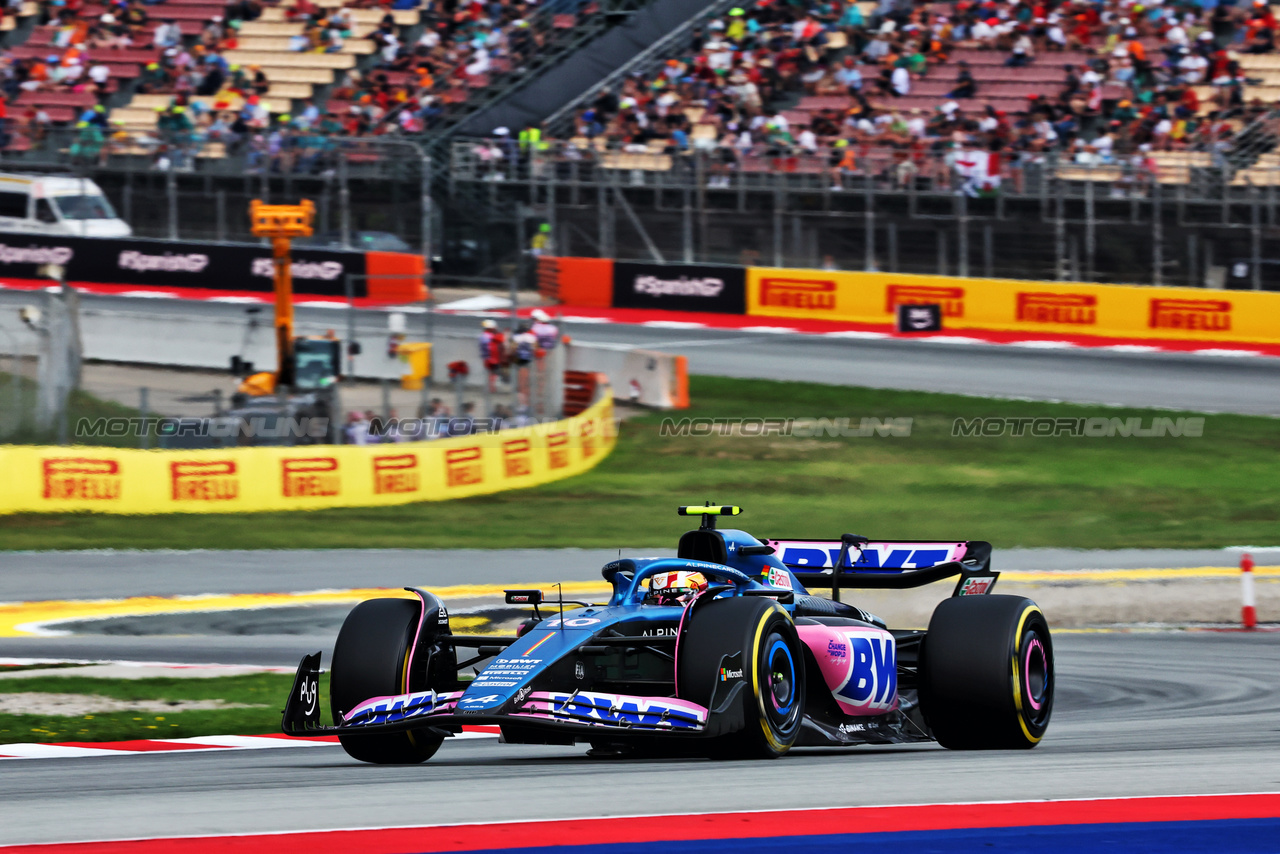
[(721, 651)]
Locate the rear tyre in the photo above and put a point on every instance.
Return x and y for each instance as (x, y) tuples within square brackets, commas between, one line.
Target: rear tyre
[(986, 673), (368, 661), (772, 663)]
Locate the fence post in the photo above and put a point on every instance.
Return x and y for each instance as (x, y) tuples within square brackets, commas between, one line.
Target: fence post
[(1191, 261), (351, 324), (777, 227), (686, 226), (1255, 238), (344, 200), (426, 209), (222, 215), (869, 224), (171, 190), (1090, 236), (1060, 240), (143, 409), (962, 244), (988, 251), (1157, 236), (601, 217)]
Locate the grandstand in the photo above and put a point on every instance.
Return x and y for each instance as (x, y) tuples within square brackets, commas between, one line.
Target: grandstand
[(218, 76), (1166, 94), (828, 83)]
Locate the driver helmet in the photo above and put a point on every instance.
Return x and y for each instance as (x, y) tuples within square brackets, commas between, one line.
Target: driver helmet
[(675, 588)]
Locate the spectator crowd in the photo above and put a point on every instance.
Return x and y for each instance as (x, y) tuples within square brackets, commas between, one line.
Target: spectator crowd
[(411, 86), (1096, 80), (928, 82)]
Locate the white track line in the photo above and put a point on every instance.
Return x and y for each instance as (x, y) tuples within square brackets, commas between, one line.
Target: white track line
[(672, 324), (1222, 352), (856, 333), (1044, 345), (158, 746)]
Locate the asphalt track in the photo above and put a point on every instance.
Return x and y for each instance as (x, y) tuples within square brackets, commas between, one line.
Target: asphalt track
[(1148, 714), (1162, 380), (264, 638), (1136, 714)]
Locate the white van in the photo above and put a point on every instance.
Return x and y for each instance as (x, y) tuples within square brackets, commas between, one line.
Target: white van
[(57, 205)]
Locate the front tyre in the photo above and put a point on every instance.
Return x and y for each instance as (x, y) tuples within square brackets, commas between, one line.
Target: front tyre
[(368, 661), (986, 673), (761, 636)]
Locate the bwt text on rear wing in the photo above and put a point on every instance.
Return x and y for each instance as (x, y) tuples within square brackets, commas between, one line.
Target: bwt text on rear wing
[(858, 562)]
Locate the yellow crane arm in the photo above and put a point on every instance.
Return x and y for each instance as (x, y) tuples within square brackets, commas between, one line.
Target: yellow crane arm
[(282, 223)]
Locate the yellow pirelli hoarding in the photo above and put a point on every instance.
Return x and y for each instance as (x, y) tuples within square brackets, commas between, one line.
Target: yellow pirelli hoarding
[(308, 477), (1120, 311)]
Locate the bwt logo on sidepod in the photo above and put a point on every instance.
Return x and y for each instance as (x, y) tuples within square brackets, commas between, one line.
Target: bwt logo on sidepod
[(396, 473), (558, 449), (463, 466), (951, 299), (516, 461), (1193, 315), (81, 478), (310, 476), (204, 481), (1079, 309), (872, 681), (810, 294)]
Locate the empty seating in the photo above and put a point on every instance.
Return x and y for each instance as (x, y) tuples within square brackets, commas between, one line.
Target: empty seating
[(286, 59)]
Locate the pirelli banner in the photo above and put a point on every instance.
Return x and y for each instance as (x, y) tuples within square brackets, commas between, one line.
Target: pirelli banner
[(245, 480), (1120, 311)]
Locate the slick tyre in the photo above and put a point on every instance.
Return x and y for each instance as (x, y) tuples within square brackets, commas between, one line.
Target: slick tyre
[(368, 661), (986, 673), (760, 635)]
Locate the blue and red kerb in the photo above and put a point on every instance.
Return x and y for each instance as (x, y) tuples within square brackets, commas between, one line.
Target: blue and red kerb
[(1242, 824)]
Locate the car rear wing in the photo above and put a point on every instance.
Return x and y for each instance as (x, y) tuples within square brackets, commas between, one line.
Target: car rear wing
[(853, 562)]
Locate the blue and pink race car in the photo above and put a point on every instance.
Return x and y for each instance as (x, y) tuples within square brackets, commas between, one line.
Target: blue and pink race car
[(721, 651)]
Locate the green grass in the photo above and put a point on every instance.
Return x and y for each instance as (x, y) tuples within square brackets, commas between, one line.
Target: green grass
[(264, 692), (1222, 489), (17, 416)]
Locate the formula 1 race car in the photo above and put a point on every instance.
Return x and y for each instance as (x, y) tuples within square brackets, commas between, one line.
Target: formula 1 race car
[(721, 651)]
